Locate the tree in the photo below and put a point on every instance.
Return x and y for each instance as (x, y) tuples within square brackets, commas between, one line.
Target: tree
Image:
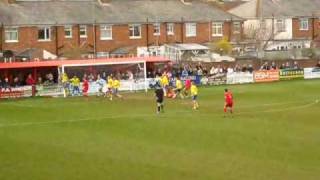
[(223, 46)]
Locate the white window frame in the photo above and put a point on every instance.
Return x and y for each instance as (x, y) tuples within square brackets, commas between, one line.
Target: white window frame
[(108, 29), (47, 37), (304, 24), (10, 30), (281, 25), (83, 28), (191, 29), (132, 27), (68, 29), (235, 30), (217, 29), (156, 29), (170, 28)]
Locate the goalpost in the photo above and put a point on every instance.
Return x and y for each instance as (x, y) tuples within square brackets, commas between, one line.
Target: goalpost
[(132, 74)]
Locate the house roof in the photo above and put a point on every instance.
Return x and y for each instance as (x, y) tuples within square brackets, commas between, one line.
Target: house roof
[(277, 8), (115, 12)]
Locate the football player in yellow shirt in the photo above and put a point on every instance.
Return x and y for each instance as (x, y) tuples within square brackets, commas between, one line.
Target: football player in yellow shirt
[(109, 86), (65, 84), (194, 94), (116, 85), (165, 84), (179, 88)]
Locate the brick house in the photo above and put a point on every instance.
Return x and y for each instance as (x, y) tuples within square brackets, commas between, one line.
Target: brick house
[(281, 24), (96, 27)]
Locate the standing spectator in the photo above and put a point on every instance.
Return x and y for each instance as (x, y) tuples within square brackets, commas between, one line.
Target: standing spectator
[(296, 65), (30, 81), (39, 82), (250, 68), (273, 66), (16, 82), (212, 71), (184, 72), (6, 84)]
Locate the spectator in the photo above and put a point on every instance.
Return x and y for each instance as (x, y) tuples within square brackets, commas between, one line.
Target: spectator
[(318, 65), (265, 66), (250, 68), (283, 66), (6, 84), (184, 72), (39, 82), (212, 71), (287, 66), (296, 65), (30, 81), (16, 82), (273, 66)]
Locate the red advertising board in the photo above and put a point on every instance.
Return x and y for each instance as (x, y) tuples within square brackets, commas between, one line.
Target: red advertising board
[(266, 75)]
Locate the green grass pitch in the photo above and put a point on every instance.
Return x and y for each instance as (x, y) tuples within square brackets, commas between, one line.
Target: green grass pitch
[(274, 135)]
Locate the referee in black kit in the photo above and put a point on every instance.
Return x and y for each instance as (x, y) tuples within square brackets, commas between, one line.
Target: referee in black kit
[(159, 97)]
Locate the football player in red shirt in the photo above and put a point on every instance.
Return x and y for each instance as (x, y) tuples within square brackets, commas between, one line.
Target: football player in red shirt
[(85, 87), (228, 105)]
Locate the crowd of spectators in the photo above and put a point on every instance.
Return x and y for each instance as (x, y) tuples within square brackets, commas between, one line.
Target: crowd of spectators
[(274, 66), (18, 81)]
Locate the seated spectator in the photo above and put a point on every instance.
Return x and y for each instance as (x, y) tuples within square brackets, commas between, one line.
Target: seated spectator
[(283, 66), (318, 65)]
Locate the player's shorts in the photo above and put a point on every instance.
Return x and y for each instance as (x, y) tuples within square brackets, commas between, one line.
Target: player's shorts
[(178, 90), (195, 97), (115, 91), (229, 104), (85, 90), (160, 100), (110, 90)]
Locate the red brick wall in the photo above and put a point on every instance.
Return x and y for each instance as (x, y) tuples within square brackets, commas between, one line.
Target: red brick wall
[(28, 38), (317, 28), (301, 34)]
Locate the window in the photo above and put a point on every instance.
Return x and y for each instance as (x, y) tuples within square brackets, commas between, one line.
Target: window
[(281, 25), (304, 24), (236, 27), (217, 29), (191, 29), (11, 35), (68, 31), (44, 34), (156, 29), (83, 31), (106, 32), (170, 29), (135, 31)]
